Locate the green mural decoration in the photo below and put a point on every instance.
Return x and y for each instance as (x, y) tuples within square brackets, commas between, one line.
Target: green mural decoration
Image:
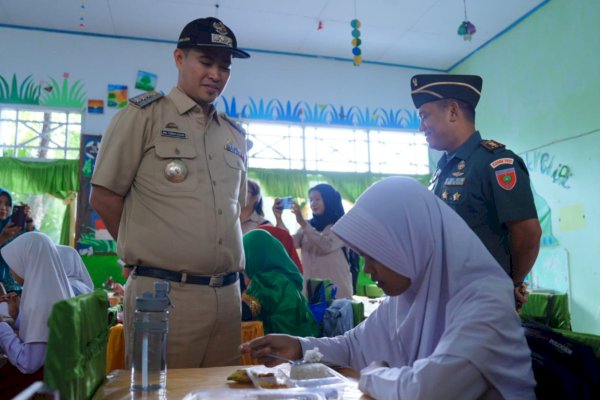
[(25, 93), (61, 95), (54, 94)]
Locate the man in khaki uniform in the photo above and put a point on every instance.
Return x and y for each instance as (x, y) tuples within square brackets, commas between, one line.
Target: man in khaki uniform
[(169, 183)]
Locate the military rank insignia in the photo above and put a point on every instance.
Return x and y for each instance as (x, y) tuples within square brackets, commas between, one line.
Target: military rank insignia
[(145, 99), (491, 145), (506, 178)]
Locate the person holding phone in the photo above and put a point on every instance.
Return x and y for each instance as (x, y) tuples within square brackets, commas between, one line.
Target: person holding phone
[(10, 230), (322, 253)]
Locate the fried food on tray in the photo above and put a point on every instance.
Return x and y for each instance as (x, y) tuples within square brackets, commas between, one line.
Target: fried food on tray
[(239, 376)]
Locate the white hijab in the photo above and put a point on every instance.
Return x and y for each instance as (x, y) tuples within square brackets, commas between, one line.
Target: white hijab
[(76, 271), (460, 301), (34, 258)]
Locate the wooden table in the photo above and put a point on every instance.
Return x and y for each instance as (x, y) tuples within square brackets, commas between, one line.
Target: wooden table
[(180, 382)]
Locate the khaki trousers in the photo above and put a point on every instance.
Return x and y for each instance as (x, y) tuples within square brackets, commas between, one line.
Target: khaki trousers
[(204, 323)]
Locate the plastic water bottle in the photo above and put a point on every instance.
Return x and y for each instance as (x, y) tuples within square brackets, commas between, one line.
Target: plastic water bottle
[(151, 324)]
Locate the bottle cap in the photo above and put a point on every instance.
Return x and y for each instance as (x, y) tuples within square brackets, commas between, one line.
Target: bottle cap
[(159, 301)]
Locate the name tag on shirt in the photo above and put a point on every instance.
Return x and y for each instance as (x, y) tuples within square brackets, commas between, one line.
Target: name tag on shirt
[(173, 134), (454, 182)]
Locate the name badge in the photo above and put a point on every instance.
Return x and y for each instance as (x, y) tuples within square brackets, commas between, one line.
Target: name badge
[(232, 149), (454, 182), (173, 134)]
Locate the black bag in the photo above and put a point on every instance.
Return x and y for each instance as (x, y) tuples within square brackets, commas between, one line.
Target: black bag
[(563, 368)]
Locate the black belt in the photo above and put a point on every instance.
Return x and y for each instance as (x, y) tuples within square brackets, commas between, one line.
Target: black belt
[(184, 277)]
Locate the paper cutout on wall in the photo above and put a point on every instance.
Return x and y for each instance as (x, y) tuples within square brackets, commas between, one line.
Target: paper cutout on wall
[(571, 217), (146, 81), (63, 95), (96, 106), (117, 96), (25, 93), (318, 113)]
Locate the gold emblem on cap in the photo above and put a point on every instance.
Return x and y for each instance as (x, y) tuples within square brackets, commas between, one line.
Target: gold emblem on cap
[(445, 195), (176, 171), (220, 28), (456, 196)]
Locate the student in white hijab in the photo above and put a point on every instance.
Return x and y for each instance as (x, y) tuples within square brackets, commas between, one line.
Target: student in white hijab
[(35, 264), (449, 328), (76, 271)]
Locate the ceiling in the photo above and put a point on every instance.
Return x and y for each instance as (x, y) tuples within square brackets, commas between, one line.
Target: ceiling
[(415, 33)]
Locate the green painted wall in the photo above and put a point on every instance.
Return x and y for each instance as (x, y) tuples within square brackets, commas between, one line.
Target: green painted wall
[(541, 96)]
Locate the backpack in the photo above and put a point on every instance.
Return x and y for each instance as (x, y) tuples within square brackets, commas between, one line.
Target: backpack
[(563, 368), (321, 293), (338, 318)]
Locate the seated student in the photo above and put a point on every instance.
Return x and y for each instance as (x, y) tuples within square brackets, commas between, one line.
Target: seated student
[(286, 240), (35, 264), (274, 294), (252, 214), (76, 271), (448, 328)]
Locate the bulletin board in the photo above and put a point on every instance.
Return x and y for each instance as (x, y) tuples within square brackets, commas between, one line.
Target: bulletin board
[(92, 237)]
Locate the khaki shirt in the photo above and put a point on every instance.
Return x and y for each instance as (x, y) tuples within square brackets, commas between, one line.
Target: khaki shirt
[(192, 225)]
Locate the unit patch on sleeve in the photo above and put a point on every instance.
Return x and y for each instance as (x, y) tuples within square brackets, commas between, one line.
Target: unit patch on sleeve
[(502, 161), (506, 178)]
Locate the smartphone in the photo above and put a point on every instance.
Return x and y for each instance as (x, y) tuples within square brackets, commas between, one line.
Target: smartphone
[(18, 216), (286, 202)]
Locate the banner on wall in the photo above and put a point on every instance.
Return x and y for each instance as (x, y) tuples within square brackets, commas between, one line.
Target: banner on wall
[(91, 235)]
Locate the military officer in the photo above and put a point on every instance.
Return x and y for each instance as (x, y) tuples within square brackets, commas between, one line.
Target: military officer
[(485, 183), (169, 183)]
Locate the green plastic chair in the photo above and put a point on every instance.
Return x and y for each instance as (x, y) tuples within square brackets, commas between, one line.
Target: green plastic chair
[(77, 337)]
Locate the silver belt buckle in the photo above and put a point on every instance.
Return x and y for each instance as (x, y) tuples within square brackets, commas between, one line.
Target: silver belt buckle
[(216, 280)]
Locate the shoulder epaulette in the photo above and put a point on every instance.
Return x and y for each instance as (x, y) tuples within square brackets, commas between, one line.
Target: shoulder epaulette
[(145, 99), (492, 145), (233, 123)]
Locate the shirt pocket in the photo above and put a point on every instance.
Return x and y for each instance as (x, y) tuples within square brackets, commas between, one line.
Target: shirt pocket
[(234, 161), (182, 156)]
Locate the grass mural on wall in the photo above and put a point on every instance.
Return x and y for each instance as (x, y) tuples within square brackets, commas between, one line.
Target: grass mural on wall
[(61, 95), (25, 93), (327, 114), (54, 94)]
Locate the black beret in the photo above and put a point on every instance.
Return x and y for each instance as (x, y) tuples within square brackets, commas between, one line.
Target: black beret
[(209, 32), (426, 88)]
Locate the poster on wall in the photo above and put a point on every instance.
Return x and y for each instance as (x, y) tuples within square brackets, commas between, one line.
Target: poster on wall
[(146, 81), (91, 235), (117, 96)]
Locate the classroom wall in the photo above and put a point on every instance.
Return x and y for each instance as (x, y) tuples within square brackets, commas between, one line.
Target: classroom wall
[(541, 97), (99, 61)]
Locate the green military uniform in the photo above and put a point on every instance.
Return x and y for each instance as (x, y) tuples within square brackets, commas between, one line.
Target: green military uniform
[(183, 178), (487, 185)]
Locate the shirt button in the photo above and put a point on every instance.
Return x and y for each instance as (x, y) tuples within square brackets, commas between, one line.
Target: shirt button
[(220, 212), (210, 156), (220, 241), (214, 183)]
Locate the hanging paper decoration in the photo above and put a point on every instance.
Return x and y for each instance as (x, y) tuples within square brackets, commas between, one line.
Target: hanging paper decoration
[(466, 29), (82, 16), (356, 42)]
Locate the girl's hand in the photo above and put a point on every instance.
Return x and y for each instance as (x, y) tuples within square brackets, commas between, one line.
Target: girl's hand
[(9, 232), (298, 213)]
